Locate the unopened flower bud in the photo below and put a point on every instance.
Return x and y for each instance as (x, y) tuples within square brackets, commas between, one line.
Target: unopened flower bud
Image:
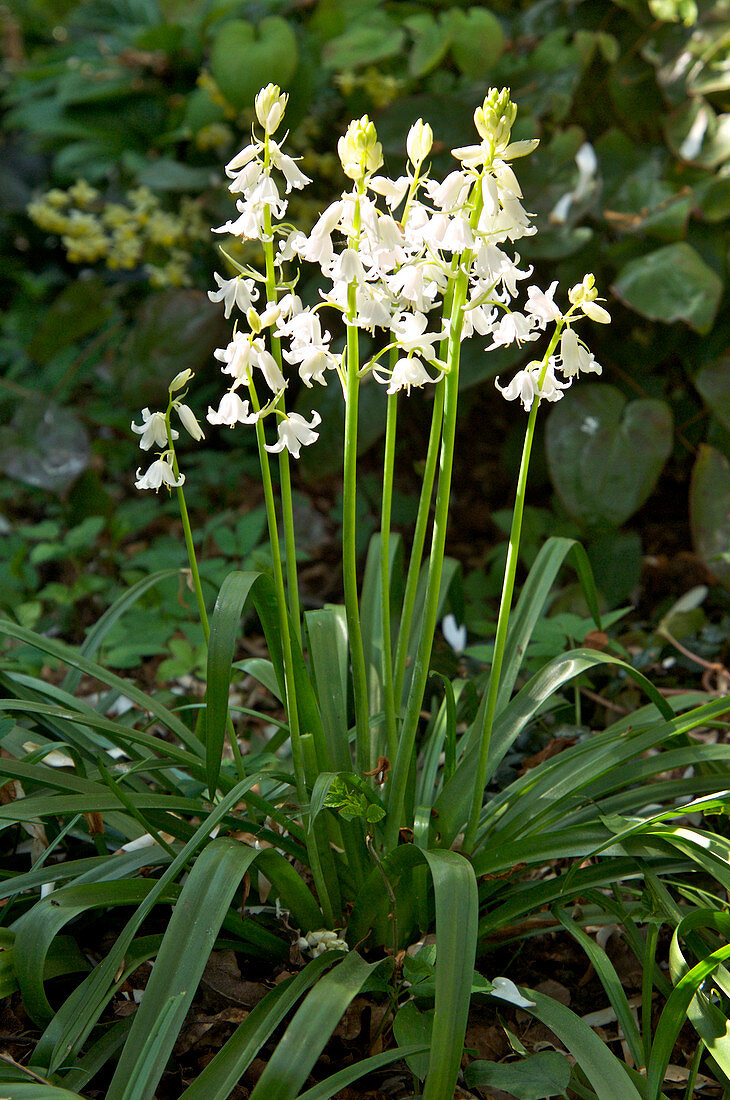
[(271, 314), (270, 105), (254, 321), (189, 422), (495, 118), (596, 313), (359, 150), (180, 380), (583, 292), (419, 142)]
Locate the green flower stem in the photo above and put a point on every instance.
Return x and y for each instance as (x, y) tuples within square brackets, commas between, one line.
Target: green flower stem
[(505, 607), (391, 732), (406, 741), (287, 508), (349, 522), (189, 544), (419, 534), (298, 757), (320, 850), (198, 589)]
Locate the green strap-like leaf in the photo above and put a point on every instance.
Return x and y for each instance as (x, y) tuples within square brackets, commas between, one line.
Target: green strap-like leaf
[(64, 1036), (453, 804), (455, 891), (344, 1077), (678, 1008), (36, 930), (612, 985), (232, 598), (304, 1040), (607, 1075), (186, 946), (69, 656), (219, 1077), (529, 606), (328, 653)]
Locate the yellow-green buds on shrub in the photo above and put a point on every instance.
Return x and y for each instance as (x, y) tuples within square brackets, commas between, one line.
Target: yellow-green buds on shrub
[(359, 150)]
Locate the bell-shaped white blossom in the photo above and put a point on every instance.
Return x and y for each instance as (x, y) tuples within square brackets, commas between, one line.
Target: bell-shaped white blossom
[(513, 328), (237, 357), (246, 155), (408, 372), (409, 332), (540, 304), (152, 430), (596, 313), (231, 411), (295, 433), (393, 191), (526, 385), (159, 473), (237, 291), (293, 176), (451, 193), (575, 358)]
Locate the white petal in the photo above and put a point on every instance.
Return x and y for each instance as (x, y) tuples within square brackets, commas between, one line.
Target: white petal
[(508, 991)]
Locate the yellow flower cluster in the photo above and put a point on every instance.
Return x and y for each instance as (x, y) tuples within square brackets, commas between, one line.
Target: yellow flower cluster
[(125, 235), (382, 88)]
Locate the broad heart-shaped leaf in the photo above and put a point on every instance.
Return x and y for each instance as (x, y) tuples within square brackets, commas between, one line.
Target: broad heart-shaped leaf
[(671, 284), (174, 329), (244, 58), (713, 383), (709, 510), (364, 42), (80, 309), (431, 41), (535, 1078), (605, 454), (477, 39)]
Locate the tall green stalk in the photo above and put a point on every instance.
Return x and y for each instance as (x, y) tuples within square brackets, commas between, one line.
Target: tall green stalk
[(298, 758), (198, 588), (505, 607), (389, 696), (349, 521), (421, 527), (406, 741), (287, 506)]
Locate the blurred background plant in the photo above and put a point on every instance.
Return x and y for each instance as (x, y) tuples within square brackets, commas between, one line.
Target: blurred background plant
[(116, 117)]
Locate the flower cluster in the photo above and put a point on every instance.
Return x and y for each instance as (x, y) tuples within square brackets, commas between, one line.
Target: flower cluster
[(316, 943), (420, 264), (389, 250), (155, 430)]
